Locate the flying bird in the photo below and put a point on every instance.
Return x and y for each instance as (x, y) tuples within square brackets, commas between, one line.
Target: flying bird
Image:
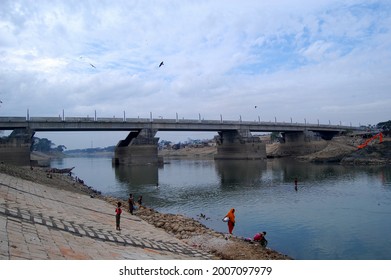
[(161, 64), (92, 65)]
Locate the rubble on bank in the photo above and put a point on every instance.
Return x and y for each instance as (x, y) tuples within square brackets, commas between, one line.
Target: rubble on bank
[(376, 154), (344, 150)]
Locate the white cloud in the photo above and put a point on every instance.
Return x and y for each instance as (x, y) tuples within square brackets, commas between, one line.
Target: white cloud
[(319, 51), (293, 59)]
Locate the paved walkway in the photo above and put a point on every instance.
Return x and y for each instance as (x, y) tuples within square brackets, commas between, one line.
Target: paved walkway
[(39, 222)]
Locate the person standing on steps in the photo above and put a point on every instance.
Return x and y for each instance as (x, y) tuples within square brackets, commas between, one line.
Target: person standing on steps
[(118, 212), (131, 203)]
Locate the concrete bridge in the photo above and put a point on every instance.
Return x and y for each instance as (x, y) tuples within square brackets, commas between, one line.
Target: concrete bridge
[(234, 140)]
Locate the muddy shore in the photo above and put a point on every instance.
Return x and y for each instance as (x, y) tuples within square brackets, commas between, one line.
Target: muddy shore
[(186, 229)]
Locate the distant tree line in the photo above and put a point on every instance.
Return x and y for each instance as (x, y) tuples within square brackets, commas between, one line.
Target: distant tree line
[(92, 150), (45, 145), (385, 127)]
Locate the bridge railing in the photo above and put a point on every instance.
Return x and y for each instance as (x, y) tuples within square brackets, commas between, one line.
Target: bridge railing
[(78, 119), (109, 119), (12, 119), (45, 119)]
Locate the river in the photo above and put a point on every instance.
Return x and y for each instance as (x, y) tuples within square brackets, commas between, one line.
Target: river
[(335, 213)]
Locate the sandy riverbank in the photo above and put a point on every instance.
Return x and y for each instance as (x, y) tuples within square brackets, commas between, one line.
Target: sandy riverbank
[(186, 229)]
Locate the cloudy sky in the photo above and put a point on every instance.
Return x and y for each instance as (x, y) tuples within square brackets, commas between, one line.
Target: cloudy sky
[(316, 60)]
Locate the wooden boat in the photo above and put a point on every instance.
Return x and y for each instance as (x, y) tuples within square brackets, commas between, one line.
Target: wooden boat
[(61, 170)]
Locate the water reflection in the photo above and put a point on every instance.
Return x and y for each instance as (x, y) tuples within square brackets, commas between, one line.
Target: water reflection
[(385, 176), (136, 176), (233, 172), (287, 170)]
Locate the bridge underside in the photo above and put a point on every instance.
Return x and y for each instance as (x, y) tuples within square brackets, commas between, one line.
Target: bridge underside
[(141, 147)]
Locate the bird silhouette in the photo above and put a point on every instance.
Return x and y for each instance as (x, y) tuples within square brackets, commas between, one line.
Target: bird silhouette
[(161, 64), (92, 65)]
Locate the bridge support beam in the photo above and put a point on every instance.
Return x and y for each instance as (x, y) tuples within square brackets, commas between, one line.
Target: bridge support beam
[(239, 144), (15, 149), (138, 148)]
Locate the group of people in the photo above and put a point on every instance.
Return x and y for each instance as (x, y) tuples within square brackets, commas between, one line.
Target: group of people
[(230, 219), (132, 207)]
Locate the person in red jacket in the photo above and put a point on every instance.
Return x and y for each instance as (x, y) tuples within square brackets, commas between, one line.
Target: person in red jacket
[(118, 212)]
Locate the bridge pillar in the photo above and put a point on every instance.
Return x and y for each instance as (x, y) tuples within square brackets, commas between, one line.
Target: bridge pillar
[(138, 148), (294, 137), (15, 149), (301, 143), (239, 144)]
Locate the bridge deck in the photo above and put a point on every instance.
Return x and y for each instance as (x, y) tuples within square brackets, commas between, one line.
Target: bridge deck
[(136, 124)]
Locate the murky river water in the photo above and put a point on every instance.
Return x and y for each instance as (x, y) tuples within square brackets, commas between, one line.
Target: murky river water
[(336, 212)]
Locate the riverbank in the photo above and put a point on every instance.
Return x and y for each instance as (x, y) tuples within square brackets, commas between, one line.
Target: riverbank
[(341, 149), (181, 228)]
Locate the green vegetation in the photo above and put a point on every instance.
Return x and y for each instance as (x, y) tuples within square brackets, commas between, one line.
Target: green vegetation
[(45, 145), (109, 149)]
